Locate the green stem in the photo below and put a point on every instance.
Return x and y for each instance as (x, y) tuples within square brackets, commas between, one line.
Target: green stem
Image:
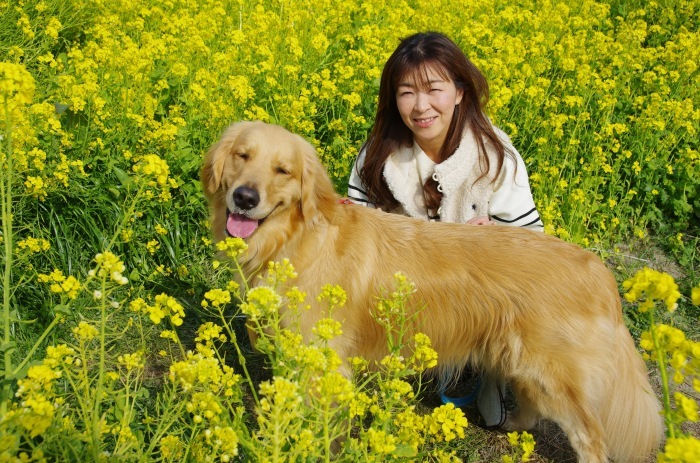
[(6, 199), (326, 434), (661, 361), (96, 418), (36, 345), (239, 353), (127, 216)]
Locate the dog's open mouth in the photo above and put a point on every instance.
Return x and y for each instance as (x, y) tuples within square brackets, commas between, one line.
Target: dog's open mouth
[(240, 226)]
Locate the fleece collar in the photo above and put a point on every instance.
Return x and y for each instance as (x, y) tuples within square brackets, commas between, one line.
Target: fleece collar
[(463, 196)]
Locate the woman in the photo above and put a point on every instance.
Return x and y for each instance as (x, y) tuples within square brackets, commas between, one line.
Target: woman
[(434, 154)]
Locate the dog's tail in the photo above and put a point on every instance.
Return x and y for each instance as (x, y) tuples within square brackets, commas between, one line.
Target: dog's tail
[(631, 413)]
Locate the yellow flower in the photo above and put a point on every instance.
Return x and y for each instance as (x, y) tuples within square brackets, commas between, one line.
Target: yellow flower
[(109, 265), (172, 448), (424, 356), (53, 28), (657, 286), (16, 84), (153, 246), (133, 361), (85, 332), (447, 423), (218, 297), (155, 173), (687, 407), (334, 295), (381, 442), (34, 245), (261, 302), (327, 329), (233, 247), (684, 449), (61, 284), (36, 187), (209, 332)]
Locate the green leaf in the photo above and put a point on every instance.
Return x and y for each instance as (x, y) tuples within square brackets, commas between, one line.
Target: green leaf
[(8, 346), (62, 309)]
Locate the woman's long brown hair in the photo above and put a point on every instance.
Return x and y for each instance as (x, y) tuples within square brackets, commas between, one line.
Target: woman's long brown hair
[(415, 56)]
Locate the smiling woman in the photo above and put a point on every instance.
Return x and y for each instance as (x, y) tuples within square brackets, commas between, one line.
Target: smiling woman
[(433, 153)]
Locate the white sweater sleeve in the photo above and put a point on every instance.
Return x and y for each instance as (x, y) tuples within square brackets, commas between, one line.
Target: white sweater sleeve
[(356, 190), (512, 202)]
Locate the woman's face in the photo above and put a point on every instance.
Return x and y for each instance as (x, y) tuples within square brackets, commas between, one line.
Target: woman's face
[(428, 112)]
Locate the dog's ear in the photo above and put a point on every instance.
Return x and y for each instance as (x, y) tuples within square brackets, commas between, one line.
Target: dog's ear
[(215, 159), (317, 193)]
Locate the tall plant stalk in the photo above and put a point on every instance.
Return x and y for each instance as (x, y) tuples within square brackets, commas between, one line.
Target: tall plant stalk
[(6, 175)]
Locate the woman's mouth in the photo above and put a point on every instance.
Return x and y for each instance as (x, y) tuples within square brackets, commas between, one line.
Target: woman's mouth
[(424, 122)]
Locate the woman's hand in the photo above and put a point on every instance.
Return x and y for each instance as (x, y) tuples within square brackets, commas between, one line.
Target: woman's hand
[(483, 220)]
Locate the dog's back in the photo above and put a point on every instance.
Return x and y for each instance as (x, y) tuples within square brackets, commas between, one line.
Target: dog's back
[(541, 313)]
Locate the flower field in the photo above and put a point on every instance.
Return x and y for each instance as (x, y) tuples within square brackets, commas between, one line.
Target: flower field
[(119, 339)]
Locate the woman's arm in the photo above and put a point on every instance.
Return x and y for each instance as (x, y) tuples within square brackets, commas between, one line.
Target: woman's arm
[(512, 202), (356, 190)]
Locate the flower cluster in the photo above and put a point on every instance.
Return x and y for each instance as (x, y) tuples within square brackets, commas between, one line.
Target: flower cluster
[(447, 422), (523, 443), (684, 354), (680, 450), (334, 296), (655, 285), (424, 356), (38, 400), (109, 266), (327, 328), (668, 346), (280, 272), (209, 332), (202, 372), (156, 174), (85, 332), (34, 245), (17, 85), (261, 302), (164, 306), (233, 247), (59, 283), (216, 297)]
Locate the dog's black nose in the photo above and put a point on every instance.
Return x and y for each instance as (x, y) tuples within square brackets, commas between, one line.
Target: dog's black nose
[(245, 197)]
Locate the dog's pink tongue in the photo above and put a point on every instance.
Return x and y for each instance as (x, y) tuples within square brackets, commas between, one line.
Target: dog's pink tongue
[(240, 226)]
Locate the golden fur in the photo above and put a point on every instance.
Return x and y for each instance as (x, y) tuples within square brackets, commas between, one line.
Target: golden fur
[(543, 314)]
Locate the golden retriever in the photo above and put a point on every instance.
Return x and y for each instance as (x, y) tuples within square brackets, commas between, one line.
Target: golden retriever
[(542, 314)]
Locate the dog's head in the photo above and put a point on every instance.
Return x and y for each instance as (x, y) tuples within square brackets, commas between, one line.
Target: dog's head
[(259, 176)]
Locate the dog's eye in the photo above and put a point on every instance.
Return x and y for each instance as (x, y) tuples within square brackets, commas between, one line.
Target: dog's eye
[(243, 156), (281, 171)]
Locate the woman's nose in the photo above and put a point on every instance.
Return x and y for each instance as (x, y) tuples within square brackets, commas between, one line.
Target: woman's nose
[(422, 102)]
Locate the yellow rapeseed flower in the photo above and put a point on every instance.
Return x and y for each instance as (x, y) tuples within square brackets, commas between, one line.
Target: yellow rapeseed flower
[(85, 332)]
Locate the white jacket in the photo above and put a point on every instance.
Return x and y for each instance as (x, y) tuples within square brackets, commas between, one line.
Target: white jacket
[(508, 200)]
